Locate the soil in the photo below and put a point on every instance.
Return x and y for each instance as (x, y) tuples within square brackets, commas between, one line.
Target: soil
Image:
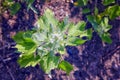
[(94, 60)]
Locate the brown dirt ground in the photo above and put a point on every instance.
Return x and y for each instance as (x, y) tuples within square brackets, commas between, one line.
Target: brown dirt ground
[(94, 60)]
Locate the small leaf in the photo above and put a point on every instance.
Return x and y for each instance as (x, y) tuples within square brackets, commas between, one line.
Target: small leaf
[(107, 2), (67, 67), (106, 38), (86, 10), (87, 33), (9, 0), (81, 25), (81, 3), (19, 37), (75, 41), (14, 8), (29, 3), (105, 26), (62, 50), (96, 11), (75, 30), (92, 20)]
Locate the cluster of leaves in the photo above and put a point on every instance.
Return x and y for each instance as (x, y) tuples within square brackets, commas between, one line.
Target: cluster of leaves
[(14, 7), (100, 21), (50, 36)]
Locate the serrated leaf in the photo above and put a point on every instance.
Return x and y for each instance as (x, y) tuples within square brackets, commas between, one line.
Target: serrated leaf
[(67, 67), (75, 30), (49, 18), (28, 59), (24, 42), (49, 62), (26, 47)]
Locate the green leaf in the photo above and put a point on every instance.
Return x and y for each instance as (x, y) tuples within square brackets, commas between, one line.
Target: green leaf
[(75, 41), (75, 30), (86, 10), (28, 59), (112, 11), (81, 3), (42, 51), (67, 67), (29, 3), (81, 25), (96, 11), (26, 47), (9, 0), (14, 8), (93, 21), (49, 62), (107, 2), (19, 37), (61, 49), (106, 38), (24, 42), (39, 37), (63, 25), (49, 18), (101, 28), (104, 24), (87, 33)]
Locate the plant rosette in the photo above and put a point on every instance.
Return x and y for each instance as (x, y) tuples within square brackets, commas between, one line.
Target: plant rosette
[(50, 36)]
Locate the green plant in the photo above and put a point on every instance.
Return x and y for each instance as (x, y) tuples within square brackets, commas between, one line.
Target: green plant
[(12, 5), (50, 36), (100, 21)]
